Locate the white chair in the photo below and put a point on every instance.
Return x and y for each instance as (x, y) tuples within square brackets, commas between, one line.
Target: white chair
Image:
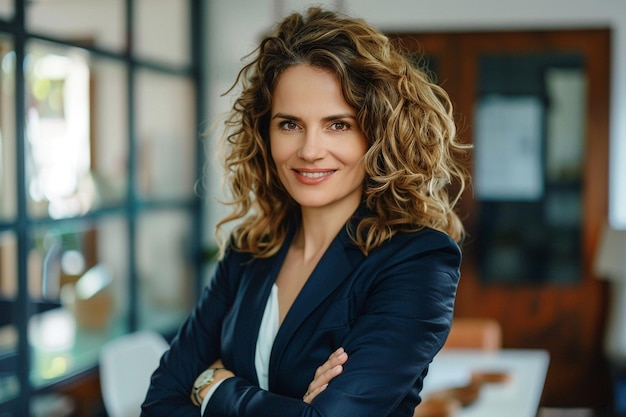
[(126, 364)]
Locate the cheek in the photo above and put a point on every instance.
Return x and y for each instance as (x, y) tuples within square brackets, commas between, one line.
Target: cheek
[(272, 146), (355, 155), (277, 152), (279, 157)]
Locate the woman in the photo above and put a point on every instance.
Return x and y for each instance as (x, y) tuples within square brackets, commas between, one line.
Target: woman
[(336, 287)]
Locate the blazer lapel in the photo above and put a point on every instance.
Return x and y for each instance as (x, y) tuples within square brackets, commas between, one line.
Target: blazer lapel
[(254, 299), (334, 267)]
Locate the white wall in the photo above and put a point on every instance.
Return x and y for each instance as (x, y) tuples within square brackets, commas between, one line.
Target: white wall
[(235, 25)]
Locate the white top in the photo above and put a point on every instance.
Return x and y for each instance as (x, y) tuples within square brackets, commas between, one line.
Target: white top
[(267, 333), (265, 341)]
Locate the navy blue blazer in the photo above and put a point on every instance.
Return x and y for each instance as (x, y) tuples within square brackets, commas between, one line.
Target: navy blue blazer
[(390, 310)]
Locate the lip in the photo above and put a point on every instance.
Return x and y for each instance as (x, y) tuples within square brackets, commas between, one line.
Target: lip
[(313, 176)]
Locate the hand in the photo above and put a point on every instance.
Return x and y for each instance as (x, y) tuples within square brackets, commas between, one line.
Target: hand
[(325, 373)]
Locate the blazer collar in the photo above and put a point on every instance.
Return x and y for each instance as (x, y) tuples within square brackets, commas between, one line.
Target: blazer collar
[(333, 268)]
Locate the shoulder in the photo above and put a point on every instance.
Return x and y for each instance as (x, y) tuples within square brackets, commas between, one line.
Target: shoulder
[(426, 249), (232, 267), (425, 237), (419, 243)]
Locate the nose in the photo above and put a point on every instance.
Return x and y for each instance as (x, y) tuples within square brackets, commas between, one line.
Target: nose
[(312, 146)]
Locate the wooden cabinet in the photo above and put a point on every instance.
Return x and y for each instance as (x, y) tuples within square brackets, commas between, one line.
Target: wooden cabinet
[(565, 317)]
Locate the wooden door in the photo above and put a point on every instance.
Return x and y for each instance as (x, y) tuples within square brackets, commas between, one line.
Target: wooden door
[(566, 319)]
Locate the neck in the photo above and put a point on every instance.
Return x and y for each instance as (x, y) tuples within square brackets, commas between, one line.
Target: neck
[(318, 229)]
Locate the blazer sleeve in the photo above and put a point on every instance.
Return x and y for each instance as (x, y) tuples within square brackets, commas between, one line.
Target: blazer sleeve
[(405, 322), (401, 323), (194, 348)]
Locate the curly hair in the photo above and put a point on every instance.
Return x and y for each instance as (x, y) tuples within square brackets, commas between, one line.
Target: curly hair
[(413, 154)]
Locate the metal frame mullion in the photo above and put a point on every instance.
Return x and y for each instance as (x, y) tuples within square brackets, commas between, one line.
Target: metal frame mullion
[(23, 306), (132, 200), (197, 14)]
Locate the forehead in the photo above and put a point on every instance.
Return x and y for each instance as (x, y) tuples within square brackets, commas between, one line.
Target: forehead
[(302, 85)]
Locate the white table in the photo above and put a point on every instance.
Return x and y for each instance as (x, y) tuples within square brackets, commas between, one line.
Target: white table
[(519, 396)]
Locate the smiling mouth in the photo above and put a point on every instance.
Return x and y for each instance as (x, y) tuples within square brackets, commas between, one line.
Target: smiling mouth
[(315, 174)]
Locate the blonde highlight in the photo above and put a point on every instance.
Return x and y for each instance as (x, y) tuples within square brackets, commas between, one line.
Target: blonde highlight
[(414, 155)]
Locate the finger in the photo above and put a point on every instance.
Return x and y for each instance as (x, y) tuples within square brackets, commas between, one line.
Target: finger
[(324, 378), (338, 357), (309, 396), (326, 372), (330, 369), (341, 356)]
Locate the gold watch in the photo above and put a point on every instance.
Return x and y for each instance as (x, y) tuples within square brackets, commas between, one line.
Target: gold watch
[(204, 379)]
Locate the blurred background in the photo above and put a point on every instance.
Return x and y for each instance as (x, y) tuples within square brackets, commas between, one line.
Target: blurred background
[(108, 184)]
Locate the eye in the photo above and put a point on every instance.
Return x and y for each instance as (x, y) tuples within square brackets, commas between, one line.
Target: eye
[(288, 125), (340, 126)]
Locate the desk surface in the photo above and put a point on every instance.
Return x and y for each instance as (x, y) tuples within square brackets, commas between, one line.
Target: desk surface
[(517, 397)]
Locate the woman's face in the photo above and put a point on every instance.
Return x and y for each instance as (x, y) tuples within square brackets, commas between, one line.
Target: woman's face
[(315, 140)]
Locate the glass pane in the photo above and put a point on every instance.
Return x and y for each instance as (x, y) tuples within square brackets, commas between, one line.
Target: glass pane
[(171, 45), (109, 121), (100, 23), (529, 153), (8, 156), (78, 274), (76, 131), (164, 269), (6, 9), (167, 135), (9, 383), (8, 267)]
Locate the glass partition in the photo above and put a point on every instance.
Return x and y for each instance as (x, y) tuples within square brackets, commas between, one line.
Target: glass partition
[(76, 131), (91, 22), (109, 121), (8, 155), (8, 292), (164, 268), (151, 42), (98, 160), (8, 269), (6, 9), (77, 280), (9, 384), (167, 136)]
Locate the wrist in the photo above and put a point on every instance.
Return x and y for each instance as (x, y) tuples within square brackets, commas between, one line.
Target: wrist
[(203, 384)]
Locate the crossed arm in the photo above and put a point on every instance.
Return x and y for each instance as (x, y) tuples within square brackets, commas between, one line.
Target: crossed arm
[(391, 322), (323, 375)]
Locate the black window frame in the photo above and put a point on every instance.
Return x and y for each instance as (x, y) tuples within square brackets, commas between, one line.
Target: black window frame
[(133, 206)]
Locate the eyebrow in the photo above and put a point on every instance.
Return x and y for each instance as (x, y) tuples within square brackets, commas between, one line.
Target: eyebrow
[(325, 119)]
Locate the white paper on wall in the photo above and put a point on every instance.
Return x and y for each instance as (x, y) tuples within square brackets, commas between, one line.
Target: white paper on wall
[(507, 149)]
